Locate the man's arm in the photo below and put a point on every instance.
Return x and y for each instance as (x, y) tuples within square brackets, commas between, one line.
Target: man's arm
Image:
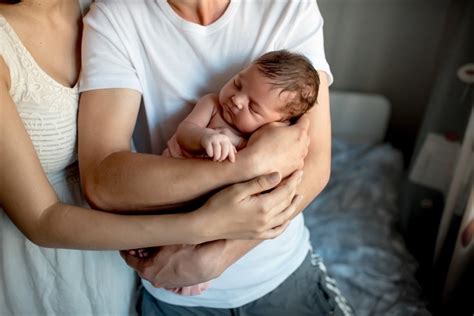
[(212, 259), (317, 168), (114, 178), (317, 165)]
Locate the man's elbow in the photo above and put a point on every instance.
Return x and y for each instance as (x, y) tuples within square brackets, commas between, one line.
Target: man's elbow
[(92, 193)]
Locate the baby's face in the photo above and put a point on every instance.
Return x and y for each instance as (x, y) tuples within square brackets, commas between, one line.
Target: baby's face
[(249, 102)]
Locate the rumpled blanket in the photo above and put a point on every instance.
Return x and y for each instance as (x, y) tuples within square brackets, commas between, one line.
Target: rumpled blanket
[(353, 228)]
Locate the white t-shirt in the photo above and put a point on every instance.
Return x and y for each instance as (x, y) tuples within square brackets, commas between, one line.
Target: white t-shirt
[(146, 46)]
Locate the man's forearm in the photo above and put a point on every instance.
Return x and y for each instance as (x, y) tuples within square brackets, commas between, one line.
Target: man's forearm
[(133, 181), (222, 255)]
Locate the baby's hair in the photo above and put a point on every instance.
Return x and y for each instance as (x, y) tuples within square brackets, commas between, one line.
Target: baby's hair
[(291, 72)]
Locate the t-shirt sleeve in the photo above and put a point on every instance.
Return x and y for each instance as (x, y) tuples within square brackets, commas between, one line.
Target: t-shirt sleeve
[(305, 35), (106, 56)]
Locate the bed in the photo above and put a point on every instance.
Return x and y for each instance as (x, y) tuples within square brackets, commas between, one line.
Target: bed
[(353, 221)]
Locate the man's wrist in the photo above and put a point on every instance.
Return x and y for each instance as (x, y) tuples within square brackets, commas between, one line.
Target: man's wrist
[(232, 251), (246, 164)]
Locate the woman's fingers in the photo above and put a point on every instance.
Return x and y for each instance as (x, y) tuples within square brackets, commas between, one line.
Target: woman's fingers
[(287, 214), (280, 222), (252, 210), (275, 231), (278, 199), (258, 185)]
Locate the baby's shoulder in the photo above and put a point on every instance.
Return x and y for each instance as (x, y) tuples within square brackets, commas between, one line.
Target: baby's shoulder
[(210, 97)]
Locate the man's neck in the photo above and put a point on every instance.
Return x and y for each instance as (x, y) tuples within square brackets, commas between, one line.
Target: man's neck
[(202, 12)]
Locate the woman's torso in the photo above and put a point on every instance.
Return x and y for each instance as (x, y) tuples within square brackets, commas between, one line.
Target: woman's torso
[(38, 280)]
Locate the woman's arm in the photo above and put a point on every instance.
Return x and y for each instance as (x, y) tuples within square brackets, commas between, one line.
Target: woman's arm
[(31, 203)]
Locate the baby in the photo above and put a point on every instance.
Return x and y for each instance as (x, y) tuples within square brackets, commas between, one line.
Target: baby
[(280, 86)]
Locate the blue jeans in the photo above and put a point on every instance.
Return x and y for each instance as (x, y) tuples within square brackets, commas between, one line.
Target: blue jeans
[(308, 291)]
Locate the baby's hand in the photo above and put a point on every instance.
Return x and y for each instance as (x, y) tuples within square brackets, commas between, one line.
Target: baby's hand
[(218, 146)]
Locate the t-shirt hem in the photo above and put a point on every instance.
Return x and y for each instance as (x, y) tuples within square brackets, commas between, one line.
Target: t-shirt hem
[(106, 83), (322, 65)]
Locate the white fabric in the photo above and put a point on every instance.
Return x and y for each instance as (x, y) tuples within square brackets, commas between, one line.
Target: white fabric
[(42, 281), (146, 46)]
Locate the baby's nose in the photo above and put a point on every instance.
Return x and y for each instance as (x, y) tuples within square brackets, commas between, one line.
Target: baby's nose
[(238, 102)]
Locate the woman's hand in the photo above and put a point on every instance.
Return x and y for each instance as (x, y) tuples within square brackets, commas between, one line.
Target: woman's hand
[(249, 210), (278, 147)]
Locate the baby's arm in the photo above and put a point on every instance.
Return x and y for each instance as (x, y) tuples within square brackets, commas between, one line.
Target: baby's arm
[(194, 136)]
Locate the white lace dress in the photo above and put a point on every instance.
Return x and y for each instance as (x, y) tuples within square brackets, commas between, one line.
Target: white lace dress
[(44, 281)]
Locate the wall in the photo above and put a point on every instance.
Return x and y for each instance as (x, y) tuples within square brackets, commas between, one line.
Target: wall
[(389, 47), (450, 103)]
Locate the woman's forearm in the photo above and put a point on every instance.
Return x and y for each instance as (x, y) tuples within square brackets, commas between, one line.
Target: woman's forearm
[(67, 226)]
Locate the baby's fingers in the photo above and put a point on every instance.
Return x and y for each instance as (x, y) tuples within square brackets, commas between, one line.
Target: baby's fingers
[(209, 151), (216, 147), (225, 151), (232, 153)]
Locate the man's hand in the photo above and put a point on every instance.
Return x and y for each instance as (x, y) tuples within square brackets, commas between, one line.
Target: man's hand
[(180, 265), (277, 147)]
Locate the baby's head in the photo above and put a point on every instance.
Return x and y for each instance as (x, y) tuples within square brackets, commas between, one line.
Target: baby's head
[(278, 86), (291, 73)]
